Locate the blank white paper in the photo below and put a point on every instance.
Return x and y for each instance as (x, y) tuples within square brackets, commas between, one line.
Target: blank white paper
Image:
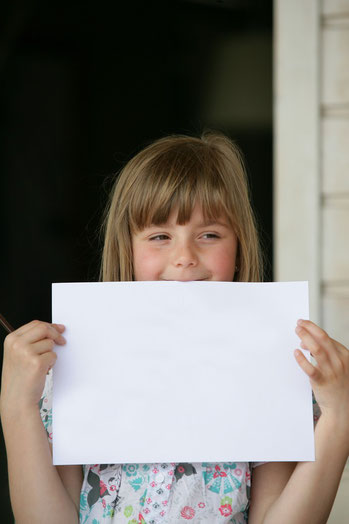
[(180, 372)]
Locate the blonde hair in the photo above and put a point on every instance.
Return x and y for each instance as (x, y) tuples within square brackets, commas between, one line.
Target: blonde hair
[(179, 171)]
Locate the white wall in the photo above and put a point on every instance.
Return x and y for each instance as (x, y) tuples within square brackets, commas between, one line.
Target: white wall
[(311, 164)]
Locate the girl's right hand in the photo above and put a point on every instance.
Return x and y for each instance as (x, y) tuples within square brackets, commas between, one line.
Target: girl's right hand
[(28, 356)]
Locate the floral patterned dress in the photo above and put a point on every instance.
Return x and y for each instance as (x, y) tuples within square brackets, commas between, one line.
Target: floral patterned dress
[(203, 493)]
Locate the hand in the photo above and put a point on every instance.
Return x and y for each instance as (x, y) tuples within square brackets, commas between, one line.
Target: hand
[(329, 378), (28, 356)]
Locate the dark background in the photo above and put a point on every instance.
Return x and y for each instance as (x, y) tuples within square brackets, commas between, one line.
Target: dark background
[(85, 85)]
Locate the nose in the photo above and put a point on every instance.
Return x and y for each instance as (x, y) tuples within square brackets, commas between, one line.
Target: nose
[(184, 255)]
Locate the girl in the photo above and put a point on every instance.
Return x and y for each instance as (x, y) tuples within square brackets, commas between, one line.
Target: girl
[(179, 211)]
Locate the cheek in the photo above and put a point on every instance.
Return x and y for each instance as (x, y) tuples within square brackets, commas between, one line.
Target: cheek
[(226, 266), (145, 264), (224, 263)]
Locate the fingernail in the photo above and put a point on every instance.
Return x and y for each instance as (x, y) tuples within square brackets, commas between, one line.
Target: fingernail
[(300, 322), (61, 327)]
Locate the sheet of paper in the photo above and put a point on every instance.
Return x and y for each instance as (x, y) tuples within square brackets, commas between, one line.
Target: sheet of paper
[(180, 372)]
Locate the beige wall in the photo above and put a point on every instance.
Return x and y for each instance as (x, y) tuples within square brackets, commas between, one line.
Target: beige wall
[(311, 126)]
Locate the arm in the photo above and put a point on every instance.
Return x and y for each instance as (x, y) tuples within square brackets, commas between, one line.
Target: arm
[(39, 492), (72, 478), (308, 494), (36, 489)]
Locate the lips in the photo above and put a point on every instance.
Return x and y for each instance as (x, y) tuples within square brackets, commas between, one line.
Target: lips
[(184, 279)]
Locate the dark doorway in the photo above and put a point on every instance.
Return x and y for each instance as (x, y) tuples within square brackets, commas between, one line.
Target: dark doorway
[(85, 85)]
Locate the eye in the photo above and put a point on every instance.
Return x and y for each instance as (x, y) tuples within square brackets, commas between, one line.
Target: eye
[(210, 235), (159, 237)]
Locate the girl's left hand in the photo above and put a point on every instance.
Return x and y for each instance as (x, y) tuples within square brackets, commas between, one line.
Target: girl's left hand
[(330, 377)]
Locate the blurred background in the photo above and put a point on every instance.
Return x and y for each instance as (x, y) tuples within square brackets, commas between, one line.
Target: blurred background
[(86, 85)]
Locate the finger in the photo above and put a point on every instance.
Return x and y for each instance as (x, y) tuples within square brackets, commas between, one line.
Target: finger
[(48, 360), (340, 347), (43, 346), (317, 341), (27, 327), (308, 368), (310, 344), (59, 327), (316, 331), (41, 331)]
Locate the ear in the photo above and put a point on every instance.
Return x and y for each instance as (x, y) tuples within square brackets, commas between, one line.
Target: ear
[(238, 258), (237, 263)]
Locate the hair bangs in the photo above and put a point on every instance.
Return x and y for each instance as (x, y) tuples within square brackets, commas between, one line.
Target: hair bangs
[(179, 187)]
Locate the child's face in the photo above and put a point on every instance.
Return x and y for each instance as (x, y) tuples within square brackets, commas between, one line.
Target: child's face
[(193, 251)]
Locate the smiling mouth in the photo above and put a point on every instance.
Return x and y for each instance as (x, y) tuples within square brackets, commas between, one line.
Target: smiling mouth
[(189, 280)]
